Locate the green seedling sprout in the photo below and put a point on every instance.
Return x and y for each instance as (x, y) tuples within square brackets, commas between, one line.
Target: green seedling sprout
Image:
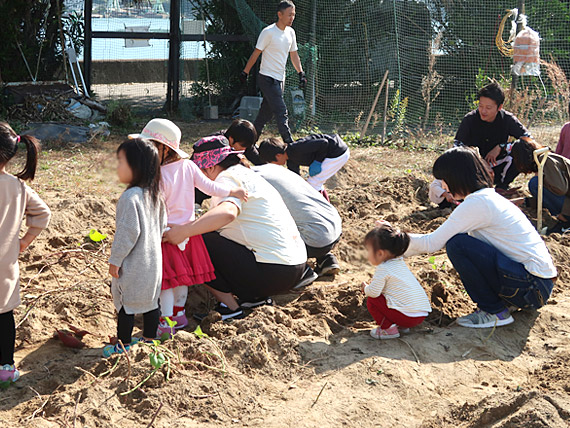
[(96, 236)]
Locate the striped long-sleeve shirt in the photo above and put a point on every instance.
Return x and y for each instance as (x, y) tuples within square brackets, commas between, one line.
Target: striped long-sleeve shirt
[(394, 280)]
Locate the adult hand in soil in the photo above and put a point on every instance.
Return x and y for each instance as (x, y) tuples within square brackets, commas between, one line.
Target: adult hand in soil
[(113, 271), (492, 155), (519, 202)]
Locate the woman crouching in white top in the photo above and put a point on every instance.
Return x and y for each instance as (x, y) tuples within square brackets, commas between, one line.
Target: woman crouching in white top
[(254, 245), (500, 257)]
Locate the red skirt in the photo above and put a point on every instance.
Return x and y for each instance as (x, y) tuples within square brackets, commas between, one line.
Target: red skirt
[(189, 267)]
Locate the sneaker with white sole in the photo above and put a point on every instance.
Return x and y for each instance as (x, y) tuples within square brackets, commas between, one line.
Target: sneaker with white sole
[(389, 333), (327, 267), (226, 313), (255, 303), (309, 276), (482, 319), (8, 374)]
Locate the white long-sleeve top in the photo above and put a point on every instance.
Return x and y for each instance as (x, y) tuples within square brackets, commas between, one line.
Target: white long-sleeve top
[(394, 280), (489, 217)]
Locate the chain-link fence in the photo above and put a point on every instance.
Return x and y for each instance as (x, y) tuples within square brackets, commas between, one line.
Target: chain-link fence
[(436, 52)]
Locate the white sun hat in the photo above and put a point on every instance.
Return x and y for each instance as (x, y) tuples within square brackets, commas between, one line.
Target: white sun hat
[(165, 132)]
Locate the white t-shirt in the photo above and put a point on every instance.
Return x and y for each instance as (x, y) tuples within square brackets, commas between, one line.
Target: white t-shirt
[(263, 225), (275, 45), (394, 280), (487, 216)]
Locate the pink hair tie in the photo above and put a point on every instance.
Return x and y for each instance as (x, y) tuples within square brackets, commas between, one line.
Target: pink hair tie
[(17, 138)]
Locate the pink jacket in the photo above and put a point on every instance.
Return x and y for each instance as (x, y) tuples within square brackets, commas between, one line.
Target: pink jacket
[(563, 147), (178, 184)]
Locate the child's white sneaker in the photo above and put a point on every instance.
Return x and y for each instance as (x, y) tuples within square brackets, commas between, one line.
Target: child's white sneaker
[(389, 333)]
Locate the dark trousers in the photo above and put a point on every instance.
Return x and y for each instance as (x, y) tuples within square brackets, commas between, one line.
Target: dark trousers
[(511, 174), (493, 280), (238, 272), (7, 338), (273, 105), (322, 254), (553, 202), (126, 323)]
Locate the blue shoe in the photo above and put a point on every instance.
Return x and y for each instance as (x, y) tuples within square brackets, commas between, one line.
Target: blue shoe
[(114, 349)]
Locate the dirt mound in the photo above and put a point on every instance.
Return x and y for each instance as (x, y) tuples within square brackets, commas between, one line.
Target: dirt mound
[(511, 410), (307, 361)]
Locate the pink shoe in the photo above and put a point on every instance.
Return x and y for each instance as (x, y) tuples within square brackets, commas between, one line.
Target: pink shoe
[(181, 320), (8, 374), (389, 333), (163, 327)]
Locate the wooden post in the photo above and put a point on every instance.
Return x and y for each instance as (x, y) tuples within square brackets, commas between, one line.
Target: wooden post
[(374, 105), (385, 112)]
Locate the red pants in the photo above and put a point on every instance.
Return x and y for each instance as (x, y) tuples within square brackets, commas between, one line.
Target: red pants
[(385, 317)]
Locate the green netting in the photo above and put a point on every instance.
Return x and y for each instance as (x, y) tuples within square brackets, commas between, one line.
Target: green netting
[(436, 51)]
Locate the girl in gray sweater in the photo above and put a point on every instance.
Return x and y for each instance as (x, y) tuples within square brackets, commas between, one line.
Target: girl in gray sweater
[(136, 261)]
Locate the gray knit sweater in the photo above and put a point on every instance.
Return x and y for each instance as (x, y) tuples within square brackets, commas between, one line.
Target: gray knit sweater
[(137, 251)]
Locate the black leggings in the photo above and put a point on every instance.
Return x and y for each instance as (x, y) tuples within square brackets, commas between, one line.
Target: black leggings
[(239, 273), (7, 338), (126, 323)]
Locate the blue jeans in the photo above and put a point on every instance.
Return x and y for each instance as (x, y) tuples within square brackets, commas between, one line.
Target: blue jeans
[(551, 201), (493, 280)]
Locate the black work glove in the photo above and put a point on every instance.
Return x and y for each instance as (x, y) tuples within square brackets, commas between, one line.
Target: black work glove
[(302, 80), (243, 77)]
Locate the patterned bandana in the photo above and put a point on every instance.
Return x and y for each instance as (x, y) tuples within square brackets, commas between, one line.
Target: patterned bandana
[(213, 157)]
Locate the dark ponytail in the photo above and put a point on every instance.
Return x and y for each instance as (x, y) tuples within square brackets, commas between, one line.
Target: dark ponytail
[(387, 237), (142, 157), (9, 146)]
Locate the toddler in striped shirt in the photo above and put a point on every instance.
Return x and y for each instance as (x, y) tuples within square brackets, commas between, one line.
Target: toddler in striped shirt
[(396, 300)]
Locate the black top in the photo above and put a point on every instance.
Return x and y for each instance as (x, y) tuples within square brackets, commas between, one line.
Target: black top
[(315, 147), (474, 131), (252, 155)]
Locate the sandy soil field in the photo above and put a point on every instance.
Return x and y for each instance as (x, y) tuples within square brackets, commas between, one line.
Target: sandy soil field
[(307, 361)]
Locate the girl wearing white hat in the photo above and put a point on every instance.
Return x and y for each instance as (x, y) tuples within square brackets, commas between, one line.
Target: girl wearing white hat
[(189, 263)]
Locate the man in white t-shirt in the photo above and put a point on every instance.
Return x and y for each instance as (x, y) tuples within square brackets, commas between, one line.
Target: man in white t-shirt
[(276, 42)]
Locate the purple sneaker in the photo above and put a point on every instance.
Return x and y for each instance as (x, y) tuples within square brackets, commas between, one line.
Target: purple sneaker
[(8, 374), (163, 328), (181, 320)]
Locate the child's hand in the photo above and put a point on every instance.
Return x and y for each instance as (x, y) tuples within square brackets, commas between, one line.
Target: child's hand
[(449, 198), (113, 271), (363, 286), (380, 223), (240, 193), (26, 241)]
